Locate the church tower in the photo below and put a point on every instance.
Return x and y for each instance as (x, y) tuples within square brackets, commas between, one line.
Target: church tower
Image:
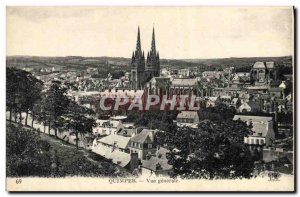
[(153, 65), (138, 65)]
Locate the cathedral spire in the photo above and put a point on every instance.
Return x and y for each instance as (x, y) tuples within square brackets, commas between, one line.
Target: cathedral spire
[(138, 42), (153, 48)]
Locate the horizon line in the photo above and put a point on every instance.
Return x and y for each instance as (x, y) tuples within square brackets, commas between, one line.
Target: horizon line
[(195, 58)]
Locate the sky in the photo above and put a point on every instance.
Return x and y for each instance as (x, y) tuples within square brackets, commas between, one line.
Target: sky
[(181, 32)]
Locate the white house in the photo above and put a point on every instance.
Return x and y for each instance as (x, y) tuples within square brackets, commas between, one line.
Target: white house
[(262, 128), (250, 106), (212, 101), (143, 143), (115, 147), (187, 118), (107, 127), (157, 165)]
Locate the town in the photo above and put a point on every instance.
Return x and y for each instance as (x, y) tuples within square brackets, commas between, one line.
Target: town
[(241, 123)]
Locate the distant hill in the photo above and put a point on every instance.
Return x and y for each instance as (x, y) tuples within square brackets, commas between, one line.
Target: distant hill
[(81, 63), (242, 60)]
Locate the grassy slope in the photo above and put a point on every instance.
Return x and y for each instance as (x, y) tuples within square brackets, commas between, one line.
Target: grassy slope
[(70, 161)]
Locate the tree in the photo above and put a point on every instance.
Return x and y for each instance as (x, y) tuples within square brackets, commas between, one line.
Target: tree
[(22, 90), (56, 105), (26, 151), (215, 149), (33, 95), (79, 120), (219, 112)]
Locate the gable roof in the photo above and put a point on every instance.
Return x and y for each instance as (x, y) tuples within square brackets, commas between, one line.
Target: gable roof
[(260, 129), (154, 161), (259, 65), (126, 132), (270, 65), (225, 97), (122, 93), (187, 114), (259, 124), (275, 89), (261, 87), (235, 100), (118, 140), (109, 123), (142, 136), (161, 81), (213, 98), (252, 118), (163, 152), (184, 82), (117, 157)]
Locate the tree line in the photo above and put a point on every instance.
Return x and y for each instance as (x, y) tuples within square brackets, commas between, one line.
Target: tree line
[(49, 105)]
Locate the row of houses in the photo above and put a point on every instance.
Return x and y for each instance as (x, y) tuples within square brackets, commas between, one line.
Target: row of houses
[(132, 148)]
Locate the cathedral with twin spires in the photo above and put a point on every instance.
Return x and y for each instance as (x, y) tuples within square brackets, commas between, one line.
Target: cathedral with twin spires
[(142, 71)]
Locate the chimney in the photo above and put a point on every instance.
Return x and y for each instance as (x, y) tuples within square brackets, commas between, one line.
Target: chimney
[(134, 161), (151, 135), (157, 148)]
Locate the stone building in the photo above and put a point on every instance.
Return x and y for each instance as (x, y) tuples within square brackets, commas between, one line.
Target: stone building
[(141, 71), (263, 73)]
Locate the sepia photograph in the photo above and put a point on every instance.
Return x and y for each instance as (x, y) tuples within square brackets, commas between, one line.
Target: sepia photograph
[(150, 99)]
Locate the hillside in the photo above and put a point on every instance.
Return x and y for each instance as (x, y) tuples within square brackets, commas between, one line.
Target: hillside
[(117, 63)]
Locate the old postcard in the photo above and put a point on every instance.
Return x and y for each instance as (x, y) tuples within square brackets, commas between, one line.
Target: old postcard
[(150, 99)]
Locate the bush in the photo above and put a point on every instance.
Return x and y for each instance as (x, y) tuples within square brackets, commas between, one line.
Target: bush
[(29, 155)]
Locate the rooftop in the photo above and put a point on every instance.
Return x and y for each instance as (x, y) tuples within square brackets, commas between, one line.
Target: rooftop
[(108, 123), (115, 140), (122, 93), (142, 136), (252, 118), (184, 82), (154, 162), (259, 65), (118, 157), (187, 114)]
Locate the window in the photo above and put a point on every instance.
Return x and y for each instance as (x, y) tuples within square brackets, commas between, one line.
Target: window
[(262, 141), (149, 145), (257, 141), (252, 141)]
